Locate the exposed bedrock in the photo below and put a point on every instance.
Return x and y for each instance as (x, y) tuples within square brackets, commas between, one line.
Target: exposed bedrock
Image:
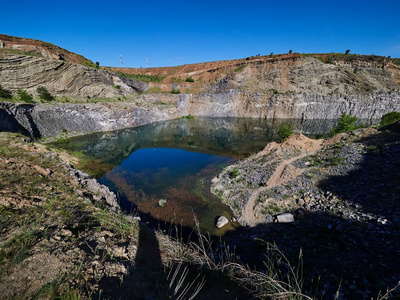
[(62, 77), (238, 103), (43, 120)]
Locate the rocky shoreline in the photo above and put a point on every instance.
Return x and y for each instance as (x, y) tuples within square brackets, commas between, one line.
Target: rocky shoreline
[(347, 187)]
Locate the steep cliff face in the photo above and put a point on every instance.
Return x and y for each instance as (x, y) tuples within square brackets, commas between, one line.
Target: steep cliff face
[(238, 103), (50, 119), (61, 77), (44, 120)]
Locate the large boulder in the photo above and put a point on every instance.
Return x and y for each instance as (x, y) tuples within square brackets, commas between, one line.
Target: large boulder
[(285, 218)]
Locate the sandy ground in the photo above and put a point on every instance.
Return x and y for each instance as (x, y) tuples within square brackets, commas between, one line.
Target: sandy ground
[(284, 172)]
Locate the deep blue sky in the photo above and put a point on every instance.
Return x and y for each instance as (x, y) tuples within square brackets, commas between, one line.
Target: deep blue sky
[(206, 30)]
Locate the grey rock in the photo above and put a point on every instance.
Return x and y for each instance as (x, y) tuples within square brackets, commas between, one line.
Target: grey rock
[(221, 222), (285, 218)]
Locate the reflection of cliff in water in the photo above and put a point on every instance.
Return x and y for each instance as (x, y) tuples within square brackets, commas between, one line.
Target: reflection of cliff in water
[(234, 137)]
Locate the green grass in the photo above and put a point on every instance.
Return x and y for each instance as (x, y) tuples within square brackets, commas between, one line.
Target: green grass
[(20, 52), (153, 89), (239, 69), (144, 78), (396, 61), (91, 64)]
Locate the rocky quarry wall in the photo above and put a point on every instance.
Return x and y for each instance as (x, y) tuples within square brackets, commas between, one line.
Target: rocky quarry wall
[(43, 120), (239, 103)]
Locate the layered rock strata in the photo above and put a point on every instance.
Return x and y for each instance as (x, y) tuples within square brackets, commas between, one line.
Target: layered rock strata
[(61, 77)]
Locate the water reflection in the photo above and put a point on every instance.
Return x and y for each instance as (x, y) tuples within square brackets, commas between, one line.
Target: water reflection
[(233, 137), (175, 161)]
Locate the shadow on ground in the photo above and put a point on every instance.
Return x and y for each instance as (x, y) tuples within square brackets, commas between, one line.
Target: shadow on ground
[(357, 257)]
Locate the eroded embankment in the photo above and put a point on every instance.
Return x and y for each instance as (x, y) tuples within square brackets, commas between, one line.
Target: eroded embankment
[(344, 195)]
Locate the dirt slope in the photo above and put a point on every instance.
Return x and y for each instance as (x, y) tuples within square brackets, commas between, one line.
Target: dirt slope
[(41, 48), (285, 73)]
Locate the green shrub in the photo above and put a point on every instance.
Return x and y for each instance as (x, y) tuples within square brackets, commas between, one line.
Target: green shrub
[(389, 118), (285, 132), (240, 68), (44, 94), (90, 64), (153, 89), (347, 52), (319, 136), (235, 172), (346, 123), (4, 93), (189, 79), (144, 78), (175, 91), (24, 96)]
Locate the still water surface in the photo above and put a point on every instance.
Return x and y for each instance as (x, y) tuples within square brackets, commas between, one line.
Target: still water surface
[(176, 160)]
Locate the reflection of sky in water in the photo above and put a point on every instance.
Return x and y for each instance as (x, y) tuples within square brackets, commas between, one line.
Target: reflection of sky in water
[(179, 176), (176, 160), (155, 169)]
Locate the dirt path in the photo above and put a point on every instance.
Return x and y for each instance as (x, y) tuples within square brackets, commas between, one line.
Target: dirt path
[(283, 173)]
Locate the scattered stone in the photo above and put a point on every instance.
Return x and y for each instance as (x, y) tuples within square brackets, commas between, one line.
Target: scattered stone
[(285, 218), (65, 232), (42, 171), (221, 222)]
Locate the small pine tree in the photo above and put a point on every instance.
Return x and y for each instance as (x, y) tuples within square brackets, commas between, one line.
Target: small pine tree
[(290, 51), (285, 132), (5, 94), (389, 118), (346, 123), (24, 96), (347, 52), (44, 94)]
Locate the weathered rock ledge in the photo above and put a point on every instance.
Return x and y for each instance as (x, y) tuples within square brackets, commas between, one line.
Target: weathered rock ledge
[(44, 120)]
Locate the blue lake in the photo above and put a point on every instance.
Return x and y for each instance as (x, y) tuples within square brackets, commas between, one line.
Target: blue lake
[(175, 161)]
